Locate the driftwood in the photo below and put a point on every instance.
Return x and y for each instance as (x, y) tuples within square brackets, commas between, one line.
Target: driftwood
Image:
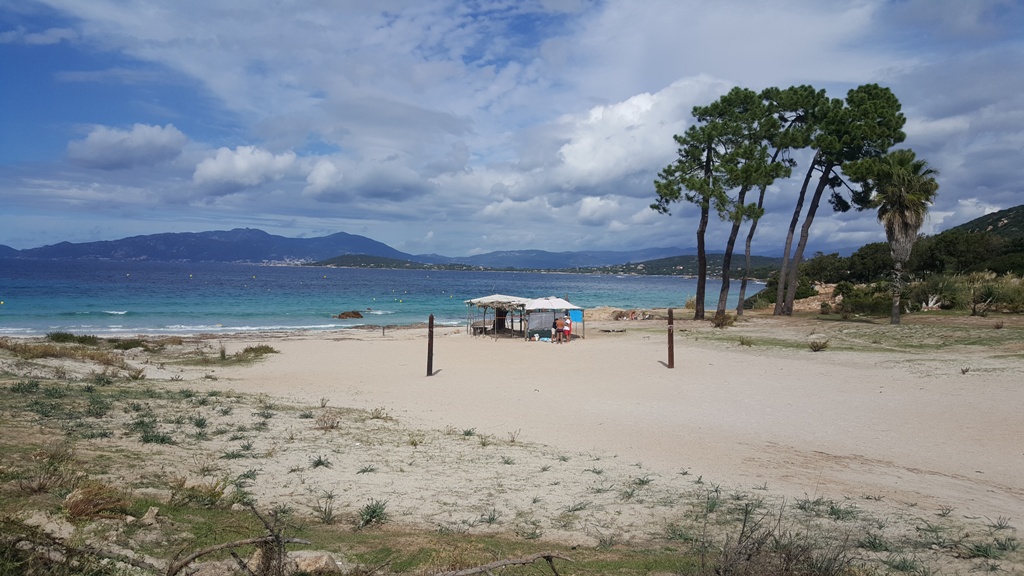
[(38, 539), (270, 564), (176, 567), (272, 546), (549, 557)]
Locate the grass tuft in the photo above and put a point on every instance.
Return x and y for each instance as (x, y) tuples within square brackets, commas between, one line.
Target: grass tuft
[(319, 461), (324, 507), (373, 513), (818, 345)]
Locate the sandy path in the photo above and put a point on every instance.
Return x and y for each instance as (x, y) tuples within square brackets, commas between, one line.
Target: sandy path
[(834, 424)]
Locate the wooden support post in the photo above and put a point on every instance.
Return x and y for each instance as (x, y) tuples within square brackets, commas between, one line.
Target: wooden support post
[(430, 346), (671, 342)]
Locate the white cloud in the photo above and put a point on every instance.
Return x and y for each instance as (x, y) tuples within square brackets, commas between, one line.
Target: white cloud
[(963, 210), (496, 116), (595, 211), (242, 167), (324, 176), (112, 149), (631, 136)]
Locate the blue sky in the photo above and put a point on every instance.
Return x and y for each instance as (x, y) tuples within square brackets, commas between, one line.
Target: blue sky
[(462, 127)]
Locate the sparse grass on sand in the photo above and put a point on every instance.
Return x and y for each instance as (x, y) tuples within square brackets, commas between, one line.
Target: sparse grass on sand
[(85, 440)]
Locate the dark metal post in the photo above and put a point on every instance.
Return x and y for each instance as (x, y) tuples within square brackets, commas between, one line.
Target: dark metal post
[(671, 342), (430, 346)]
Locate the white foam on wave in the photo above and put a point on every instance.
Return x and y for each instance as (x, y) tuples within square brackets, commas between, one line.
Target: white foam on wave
[(116, 312)]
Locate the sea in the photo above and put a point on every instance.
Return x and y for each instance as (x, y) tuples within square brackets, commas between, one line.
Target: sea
[(108, 298)]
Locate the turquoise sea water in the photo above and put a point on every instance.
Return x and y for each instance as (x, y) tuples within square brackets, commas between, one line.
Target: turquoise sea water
[(110, 298)]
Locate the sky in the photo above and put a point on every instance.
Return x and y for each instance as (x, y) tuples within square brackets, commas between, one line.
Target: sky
[(465, 127)]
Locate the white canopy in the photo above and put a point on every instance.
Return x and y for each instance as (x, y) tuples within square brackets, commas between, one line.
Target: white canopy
[(550, 303), (498, 301)]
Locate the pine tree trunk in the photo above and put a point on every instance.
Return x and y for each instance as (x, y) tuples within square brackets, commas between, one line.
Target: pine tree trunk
[(746, 252), (805, 231), (702, 265), (780, 292), (723, 295)]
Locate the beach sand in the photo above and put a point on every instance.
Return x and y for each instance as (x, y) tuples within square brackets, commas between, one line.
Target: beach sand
[(911, 432), (912, 429)]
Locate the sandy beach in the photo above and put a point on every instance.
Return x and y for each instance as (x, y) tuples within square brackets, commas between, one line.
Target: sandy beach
[(910, 433), (905, 436), (912, 428)]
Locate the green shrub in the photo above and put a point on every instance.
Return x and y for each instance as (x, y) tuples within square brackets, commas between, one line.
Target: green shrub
[(374, 512), (257, 351), (25, 387), (818, 345), (722, 320), (69, 338), (870, 300), (130, 344)]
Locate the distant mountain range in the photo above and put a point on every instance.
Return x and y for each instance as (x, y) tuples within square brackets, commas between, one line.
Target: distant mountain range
[(251, 245)]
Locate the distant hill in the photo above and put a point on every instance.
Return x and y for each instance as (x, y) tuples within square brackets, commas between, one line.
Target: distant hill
[(1008, 223), (252, 245), (238, 245)]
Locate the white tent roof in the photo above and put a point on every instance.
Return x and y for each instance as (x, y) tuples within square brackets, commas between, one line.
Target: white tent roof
[(498, 301), (551, 303)]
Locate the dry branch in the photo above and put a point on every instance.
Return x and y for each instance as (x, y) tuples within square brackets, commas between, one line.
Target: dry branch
[(486, 568), (176, 567)]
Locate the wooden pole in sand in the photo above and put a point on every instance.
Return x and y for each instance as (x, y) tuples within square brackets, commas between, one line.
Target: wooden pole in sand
[(430, 346), (671, 342)]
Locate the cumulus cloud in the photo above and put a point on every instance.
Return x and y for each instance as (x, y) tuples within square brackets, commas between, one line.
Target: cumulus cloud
[(113, 149), (325, 176), (242, 167), (633, 136), (390, 181), (598, 211)]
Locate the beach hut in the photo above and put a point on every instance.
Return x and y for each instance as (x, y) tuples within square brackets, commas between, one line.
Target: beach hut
[(503, 319), (554, 305)]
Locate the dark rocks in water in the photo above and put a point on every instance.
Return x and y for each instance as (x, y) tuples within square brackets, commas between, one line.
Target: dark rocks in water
[(348, 315)]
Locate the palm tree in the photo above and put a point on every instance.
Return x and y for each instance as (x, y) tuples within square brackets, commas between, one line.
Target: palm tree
[(904, 187)]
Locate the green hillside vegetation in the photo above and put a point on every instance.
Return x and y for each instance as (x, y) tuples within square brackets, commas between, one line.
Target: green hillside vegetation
[(977, 266), (761, 267), (956, 270), (366, 261), (1008, 224)]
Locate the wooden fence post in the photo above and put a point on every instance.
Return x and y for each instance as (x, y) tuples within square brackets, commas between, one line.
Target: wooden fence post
[(671, 342), (430, 346)]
